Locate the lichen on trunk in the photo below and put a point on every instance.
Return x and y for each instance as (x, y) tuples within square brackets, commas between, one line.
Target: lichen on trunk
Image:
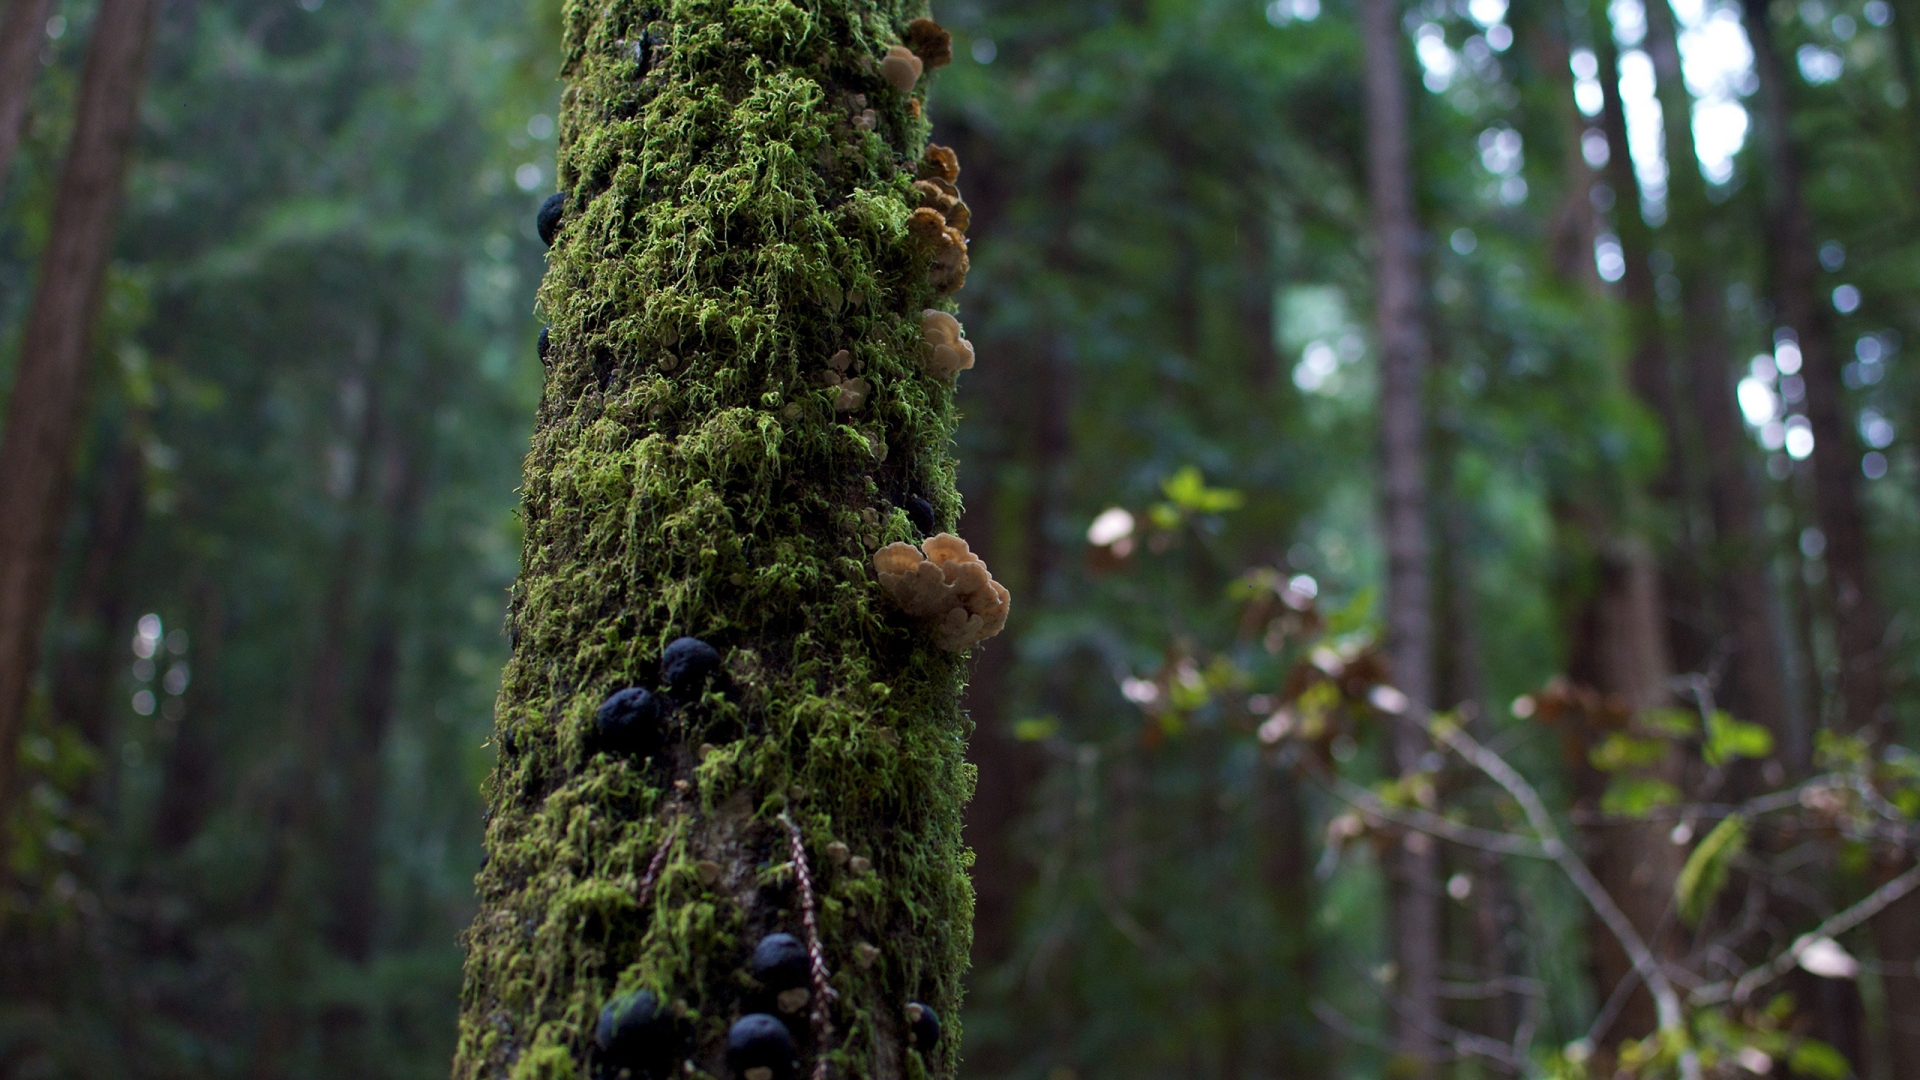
[(739, 412)]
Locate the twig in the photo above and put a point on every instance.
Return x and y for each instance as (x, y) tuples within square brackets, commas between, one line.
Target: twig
[(1666, 1000), (1840, 923), (643, 892), (822, 1024), (1426, 821), (1460, 1044)]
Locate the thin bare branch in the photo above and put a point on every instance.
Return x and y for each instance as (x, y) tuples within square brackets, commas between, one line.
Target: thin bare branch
[(1666, 999), (1785, 961)]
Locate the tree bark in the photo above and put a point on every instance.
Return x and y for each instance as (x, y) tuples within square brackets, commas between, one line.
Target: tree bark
[(44, 412), (93, 642), (691, 474), (22, 30), (1858, 624), (1794, 264), (1751, 684), (1401, 329)]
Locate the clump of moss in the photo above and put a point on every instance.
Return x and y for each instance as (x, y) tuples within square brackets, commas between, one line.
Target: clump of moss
[(738, 182)]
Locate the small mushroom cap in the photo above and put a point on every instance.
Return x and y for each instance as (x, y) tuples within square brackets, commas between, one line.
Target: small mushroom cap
[(853, 394), (547, 220), (636, 1034), (930, 42), (923, 1026), (938, 327), (901, 68), (760, 1041), (780, 962), (630, 721), (686, 664), (942, 162)]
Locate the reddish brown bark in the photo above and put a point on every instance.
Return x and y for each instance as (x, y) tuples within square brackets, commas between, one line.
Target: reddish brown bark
[(44, 412), (22, 29), (1858, 624), (1401, 329), (1751, 684), (1792, 253)]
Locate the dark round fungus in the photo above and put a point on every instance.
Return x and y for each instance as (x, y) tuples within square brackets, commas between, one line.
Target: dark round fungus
[(543, 344), (780, 962), (920, 512), (636, 1034), (643, 52), (548, 219), (923, 1026), (630, 722), (759, 1041), (686, 665)]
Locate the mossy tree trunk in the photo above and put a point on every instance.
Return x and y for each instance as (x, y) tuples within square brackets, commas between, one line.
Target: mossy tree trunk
[(738, 414)]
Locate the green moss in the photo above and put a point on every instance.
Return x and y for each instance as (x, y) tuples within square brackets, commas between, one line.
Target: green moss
[(728, 230)]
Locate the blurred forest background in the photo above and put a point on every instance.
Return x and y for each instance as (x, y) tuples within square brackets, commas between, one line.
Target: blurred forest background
[(1670, 262)]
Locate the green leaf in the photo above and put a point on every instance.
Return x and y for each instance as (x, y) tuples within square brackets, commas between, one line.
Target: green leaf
[(1622, 751), (1189, 491), (1633, 796), (1036, 728), (1677, 723), (1815, 1058), (1728, 738), (1705, 874)]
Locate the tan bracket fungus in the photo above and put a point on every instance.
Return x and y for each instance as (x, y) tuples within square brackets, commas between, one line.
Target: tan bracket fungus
[(940, 222), (948, 586), (947, 352), (901, 68)]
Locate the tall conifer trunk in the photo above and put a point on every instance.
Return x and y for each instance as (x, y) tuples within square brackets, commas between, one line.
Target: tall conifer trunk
[(1859, 629), (49, 384), (740, 411), (1736, 565), (22, 29), (1621, 622), (1400, 325)]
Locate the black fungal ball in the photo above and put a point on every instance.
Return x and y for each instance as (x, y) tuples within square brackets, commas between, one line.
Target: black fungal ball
[(543, 344), (920, 512), (636, 1034), (548, 219), (643, 52), (923, 1026), (760, 1041), (780, 962), (686, 665), (630, 722)]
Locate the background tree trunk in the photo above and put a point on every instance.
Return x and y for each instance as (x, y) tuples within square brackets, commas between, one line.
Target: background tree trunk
[(44, 412), (22, 31), (1858, 625), (1400, 327), (690, 475), (1750, 683)]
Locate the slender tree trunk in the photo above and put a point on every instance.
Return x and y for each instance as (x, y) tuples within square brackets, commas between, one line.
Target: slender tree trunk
[(1619, 608), (1401, 329), (692, 474), (1858, 624), (1751, 685), (93, 644), (44, 412), (1650, 375), (22, 30), (1791, 248)]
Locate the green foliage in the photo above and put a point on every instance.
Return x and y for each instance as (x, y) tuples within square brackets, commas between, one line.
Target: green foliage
[(1705, 874), (1728, 739)]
